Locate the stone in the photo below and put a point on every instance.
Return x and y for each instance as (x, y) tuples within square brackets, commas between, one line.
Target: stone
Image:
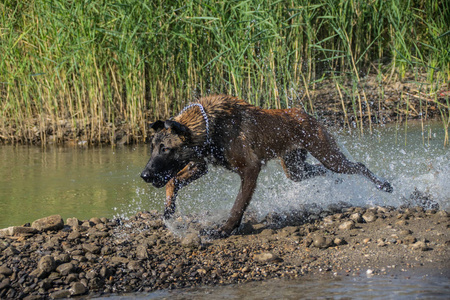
[(347, 225), (5, 271), (14, 230), (420, 245), (5, 283), (267, 257), (339, 241), (61, 294), (91, 248), (321, 242), (356, 217), (51, 223), (369, 217), (47, 264), (267, 232), (141, 252), (73, 222), (409, 240), (65, 269), (78, 289), (191, 240), (74, 235)]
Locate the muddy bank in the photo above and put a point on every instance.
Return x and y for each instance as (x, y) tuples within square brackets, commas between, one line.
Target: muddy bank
[(55, 259), (367, 102)]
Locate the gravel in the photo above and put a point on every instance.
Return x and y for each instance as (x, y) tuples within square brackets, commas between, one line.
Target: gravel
[(101, 256)]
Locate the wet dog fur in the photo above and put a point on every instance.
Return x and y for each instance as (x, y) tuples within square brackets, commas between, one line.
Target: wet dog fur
[(229, 132)]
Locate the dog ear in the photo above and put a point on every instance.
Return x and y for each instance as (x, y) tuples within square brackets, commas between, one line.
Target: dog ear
[(157, 126), (176, 127)]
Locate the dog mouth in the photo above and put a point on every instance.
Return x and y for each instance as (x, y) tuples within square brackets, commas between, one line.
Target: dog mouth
[(157, 181)]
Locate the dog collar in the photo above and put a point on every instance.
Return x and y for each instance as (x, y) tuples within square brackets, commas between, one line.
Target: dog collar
[(205, 117)]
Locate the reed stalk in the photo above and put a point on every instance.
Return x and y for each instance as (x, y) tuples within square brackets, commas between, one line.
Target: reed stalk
[(97, 70)]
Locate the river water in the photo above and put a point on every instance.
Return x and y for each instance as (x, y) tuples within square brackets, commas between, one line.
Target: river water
[(104, 182), (326, 287)]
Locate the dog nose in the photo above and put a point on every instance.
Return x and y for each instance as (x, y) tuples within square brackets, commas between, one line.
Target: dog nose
[(145, 175)]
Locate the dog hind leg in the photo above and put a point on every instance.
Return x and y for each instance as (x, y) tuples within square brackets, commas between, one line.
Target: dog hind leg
[(297, 169), (324, 148)]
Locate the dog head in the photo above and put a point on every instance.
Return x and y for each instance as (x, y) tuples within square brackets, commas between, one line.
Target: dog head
[(170, 152)]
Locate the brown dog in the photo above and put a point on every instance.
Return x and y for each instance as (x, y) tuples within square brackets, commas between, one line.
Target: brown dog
[(227, 131)]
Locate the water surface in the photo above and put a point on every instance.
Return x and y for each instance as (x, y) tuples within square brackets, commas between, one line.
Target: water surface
[(104, 182)]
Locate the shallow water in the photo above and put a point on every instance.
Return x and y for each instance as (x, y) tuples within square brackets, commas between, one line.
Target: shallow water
[(97, 182), (341, 287)]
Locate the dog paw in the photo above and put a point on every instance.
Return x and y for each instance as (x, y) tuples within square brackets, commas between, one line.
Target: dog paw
[(168, 214)]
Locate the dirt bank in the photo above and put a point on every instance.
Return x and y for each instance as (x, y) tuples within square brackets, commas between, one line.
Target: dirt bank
[(56, 259)]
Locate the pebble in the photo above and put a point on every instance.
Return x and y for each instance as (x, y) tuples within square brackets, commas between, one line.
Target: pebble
[(369, 217), (65, 269), (266, 257), (61, 294), (139, 254), (47, 264), (191, 240), (51, 223), (347, 225), (321, 242), (356, 217), (5, 271), (78, 289)]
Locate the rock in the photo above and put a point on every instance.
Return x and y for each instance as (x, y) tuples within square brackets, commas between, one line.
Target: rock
[(266, 257), (420, 245), (95, 220), (61, 294), (73, 222), (91, 248), (65, 269), (141, 252), (381, 243), (191, 240), (443, 213), (356, 217), (339, 241), (47, 264), (267, 232), (134, 265), (409, 240), (5, 283), (74, 235), (405, 232), (13, 230), (347, 225), (10, 251), (369, 217), (119, 260), (78, 289), (52, 223), (5, 271), (321, 242)]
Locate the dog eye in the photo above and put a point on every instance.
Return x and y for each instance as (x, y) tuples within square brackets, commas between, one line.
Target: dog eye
[(164, 150)]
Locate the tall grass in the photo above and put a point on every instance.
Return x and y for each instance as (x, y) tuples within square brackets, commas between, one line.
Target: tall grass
[(100, 70)]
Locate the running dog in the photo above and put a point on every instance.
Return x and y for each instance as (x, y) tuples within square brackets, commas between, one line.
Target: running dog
[(232, 133)]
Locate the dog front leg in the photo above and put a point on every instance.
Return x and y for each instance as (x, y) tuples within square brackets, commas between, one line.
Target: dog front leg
[(192, 171), (248, 184)]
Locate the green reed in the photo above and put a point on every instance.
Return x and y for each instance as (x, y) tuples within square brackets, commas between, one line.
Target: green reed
[(82, 70)]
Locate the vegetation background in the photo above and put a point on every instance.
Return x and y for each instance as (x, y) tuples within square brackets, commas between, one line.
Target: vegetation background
[(99, 71)]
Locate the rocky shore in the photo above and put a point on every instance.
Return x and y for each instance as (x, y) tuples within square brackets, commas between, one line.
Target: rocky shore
[(54, 259)]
